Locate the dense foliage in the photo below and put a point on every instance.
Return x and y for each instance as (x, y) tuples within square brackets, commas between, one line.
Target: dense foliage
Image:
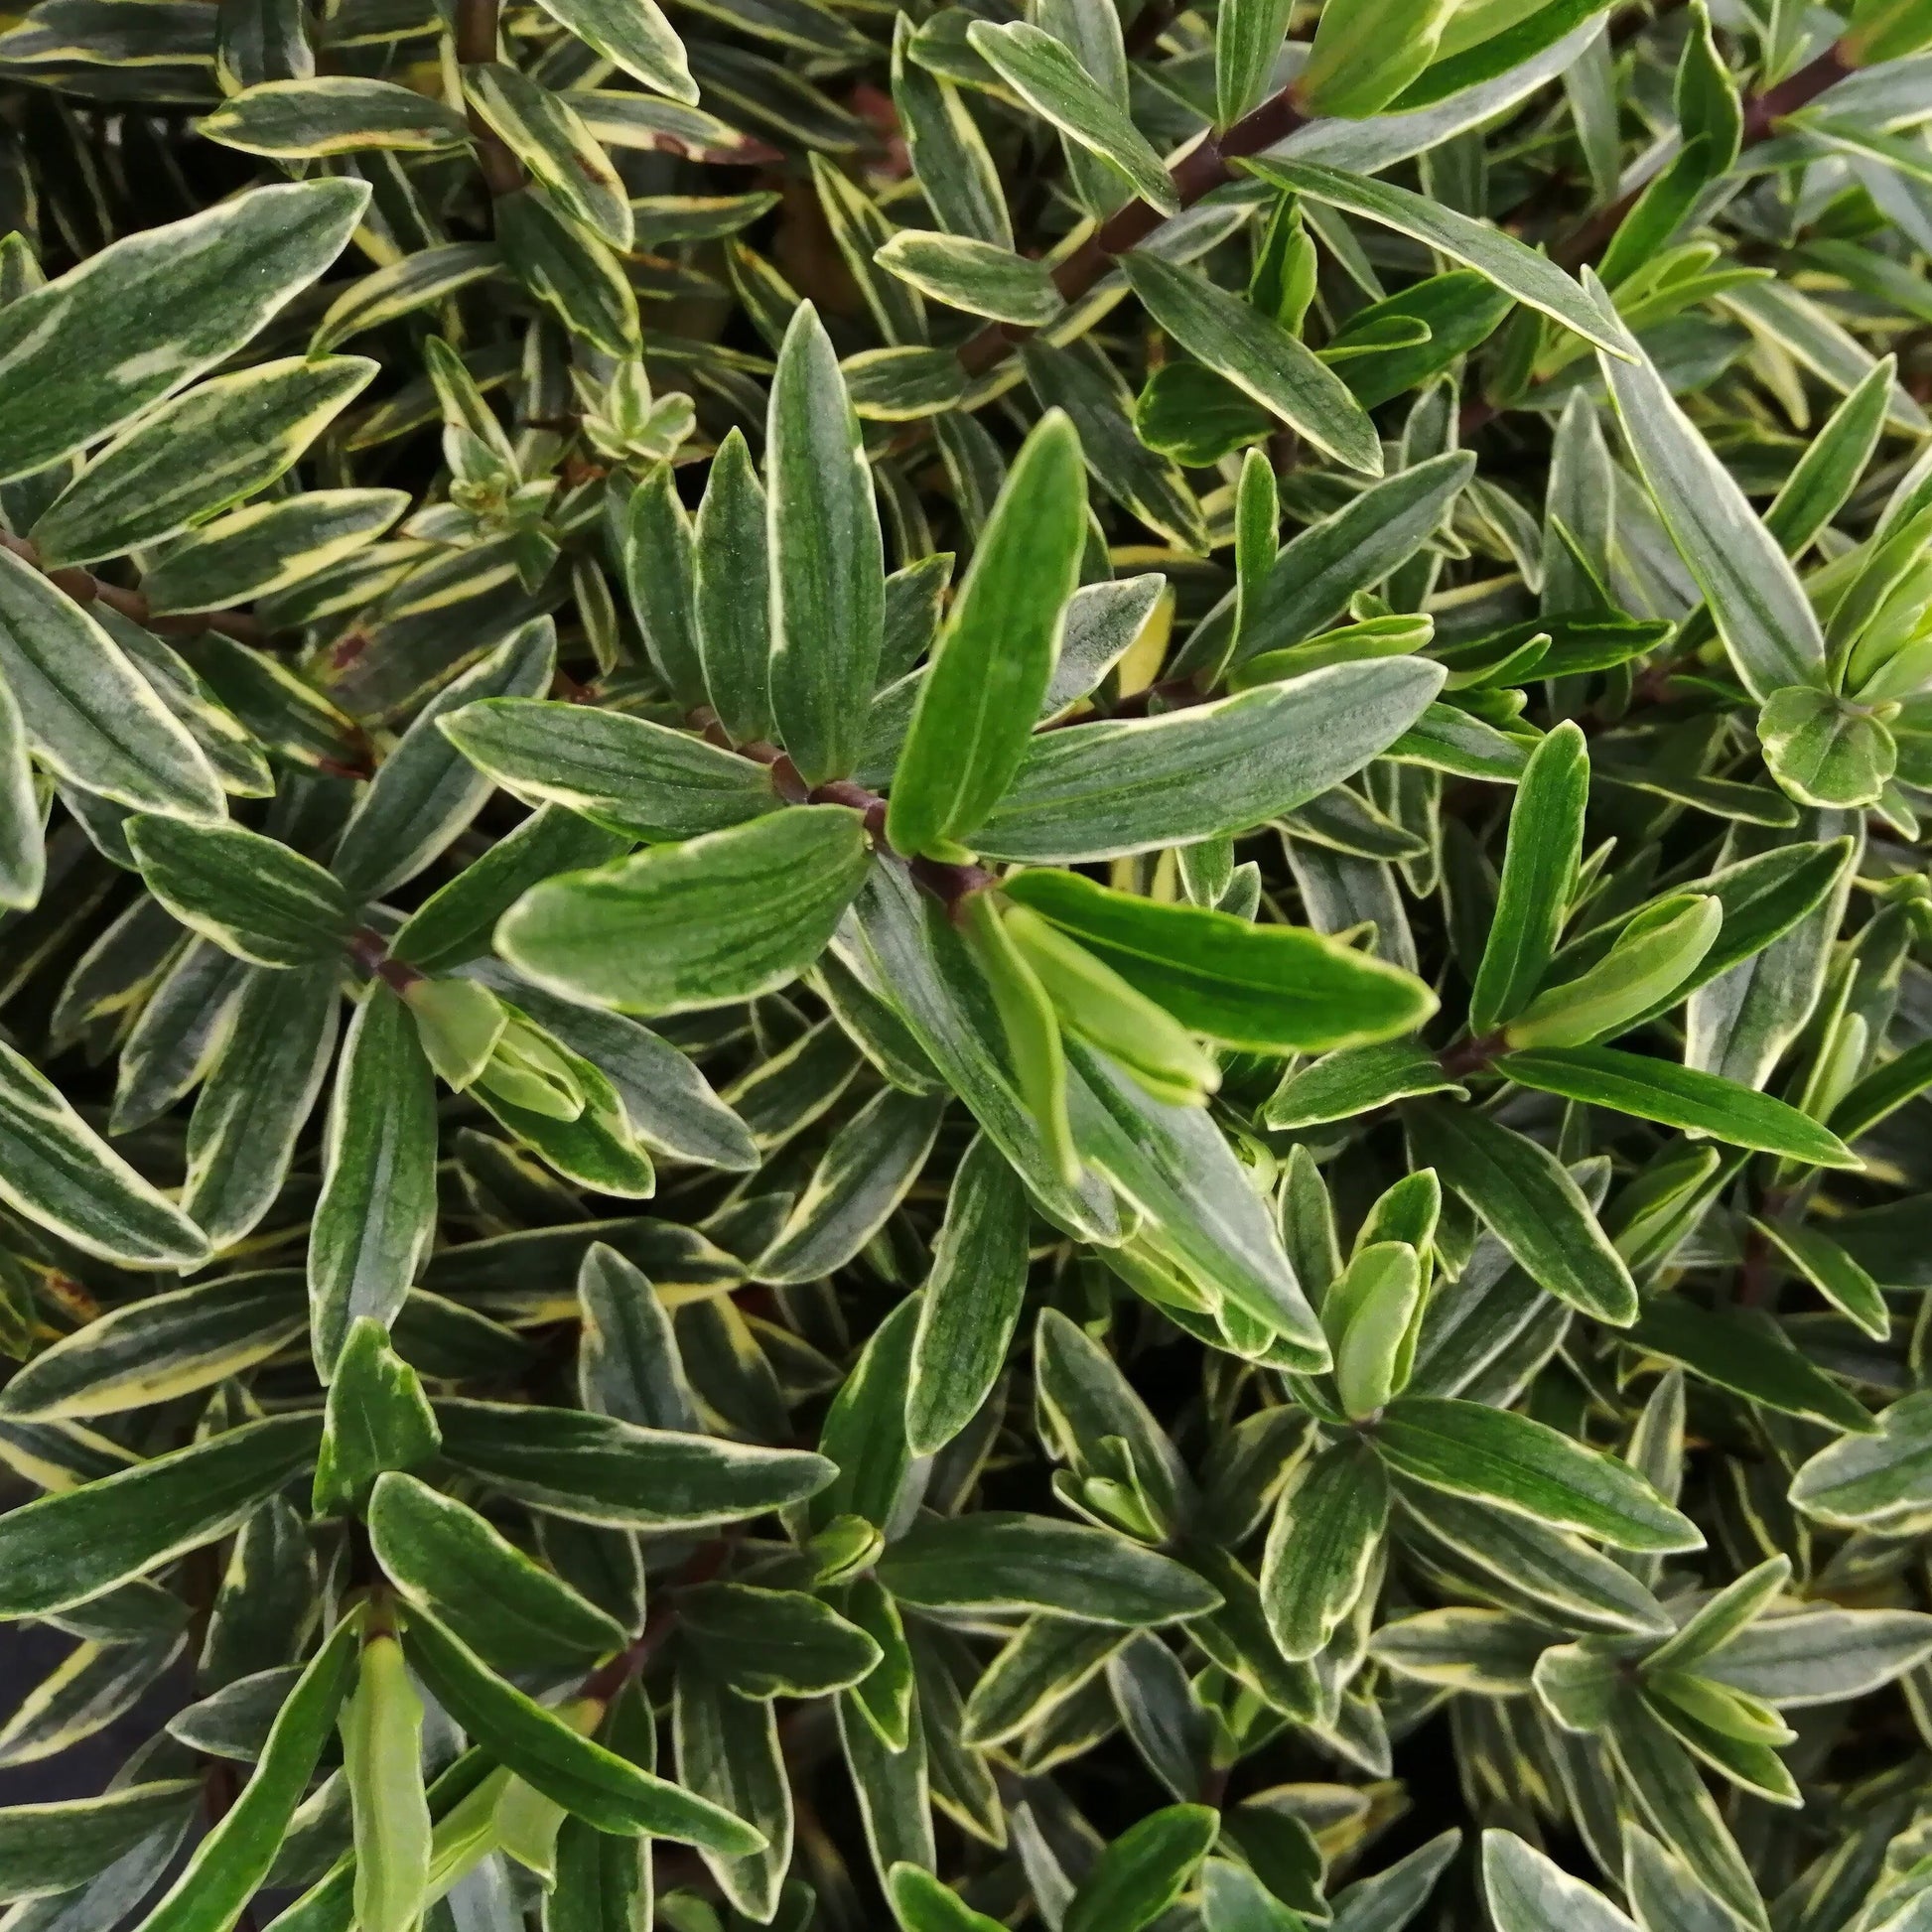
[(968, 970)]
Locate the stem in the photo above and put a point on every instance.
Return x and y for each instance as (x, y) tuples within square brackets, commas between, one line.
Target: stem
[(951, 885), (84, 588), (475, 46), (1202, 169), (1762, 112)]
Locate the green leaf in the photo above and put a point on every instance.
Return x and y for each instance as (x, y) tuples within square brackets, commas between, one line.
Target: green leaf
[(588, 1780), (642, 779), (1048, 78), (1833, 1272), (828, 570), (593, 1469), (376, 1215), (254, 1104), (993, 658), (1248, 36), (972, 1297), (252, 896), (450, 1561), (1105, 791), (1530, 1468), (570, 271), (423, 794), (319, 115), (1528, 1198), (1528, 1893), (1532, 279), (1143, 1872), (1000, 1559), (234, 1858), (59, 1174), (1199, 1209), (1679, 1096), (1745, 1353), (1865, 1480), (1315, 575), (1768, 624), (982, 278), (267, 547), (863, 1432), (147, 314), (771, 1643), (1321, 1546), (56, 1847), (400, 288), (729, 915), (381, 1726), (1653, 957), (1824, 750), (561, 155), (1259, 357), (160, 1347), (196, 456), (377, 1419), (65, 1548), (454, 923), (1818, 1656), (918, 960), (635, 35), (921, 1903), (86, 711), (1355, 1080), (1546, 840), (730, 591), (1266, 987)]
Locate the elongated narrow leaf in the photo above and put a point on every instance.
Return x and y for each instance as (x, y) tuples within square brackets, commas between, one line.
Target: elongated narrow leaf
[(1104, 790), (377, 1210), (727, 917), (594, 1783), (1546, 837), (189, 293), (252, 896), (598, 1470), (164, 1346), (971, 1303), (234, 1858), (505, 1606), (638, 777), (197, 455), (1766, 623), (1536, 1211), (65, 1548), (1531, 1469), (1047, 76), (1259, 358), (998, 1560), (87, 712), (59, 1174), (1531, 278), (1680, 1096), (828, 570), (994, 657)]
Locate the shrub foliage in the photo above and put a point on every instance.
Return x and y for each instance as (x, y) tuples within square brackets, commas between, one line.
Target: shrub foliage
[(968, 969)]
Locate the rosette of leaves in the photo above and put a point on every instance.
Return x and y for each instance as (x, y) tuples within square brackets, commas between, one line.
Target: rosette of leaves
[(1022, 1027)]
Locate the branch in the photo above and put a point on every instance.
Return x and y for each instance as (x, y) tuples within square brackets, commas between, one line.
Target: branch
[(475, 46), (1202, 169), (1762, 112), (951, 885), (84, 588)]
